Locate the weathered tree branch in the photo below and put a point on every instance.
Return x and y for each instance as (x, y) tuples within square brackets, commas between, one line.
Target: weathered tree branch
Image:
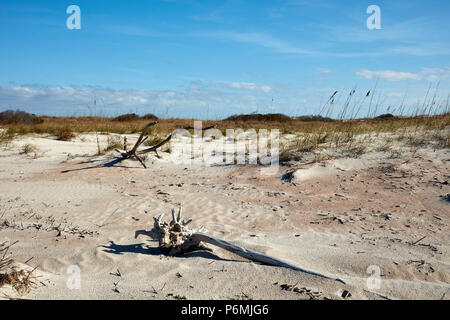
[(141, 140), (159, 145)]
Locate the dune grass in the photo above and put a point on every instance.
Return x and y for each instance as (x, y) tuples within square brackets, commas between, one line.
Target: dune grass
[(6, 136), (346, 134), (353, 138), (11, 275)]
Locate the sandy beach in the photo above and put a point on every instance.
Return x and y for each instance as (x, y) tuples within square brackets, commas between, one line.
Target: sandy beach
[(189, 153), (381, 224)]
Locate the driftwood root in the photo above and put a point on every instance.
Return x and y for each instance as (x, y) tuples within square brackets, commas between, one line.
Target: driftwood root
[(177, 238)]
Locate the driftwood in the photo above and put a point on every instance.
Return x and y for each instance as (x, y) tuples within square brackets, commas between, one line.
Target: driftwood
[(134, 153), (141, 140), (176, 238)]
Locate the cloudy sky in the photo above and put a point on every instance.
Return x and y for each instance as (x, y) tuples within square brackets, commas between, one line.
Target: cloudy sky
[(211, 59)]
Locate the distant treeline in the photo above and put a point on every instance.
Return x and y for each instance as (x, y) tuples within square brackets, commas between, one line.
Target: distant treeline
[(279, 117), (18, 117), (22, 117), (134, 117)]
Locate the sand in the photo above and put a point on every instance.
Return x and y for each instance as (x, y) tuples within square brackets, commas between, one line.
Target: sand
[(347, 218)]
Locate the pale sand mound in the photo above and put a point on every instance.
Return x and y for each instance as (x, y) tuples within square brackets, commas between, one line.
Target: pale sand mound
[(340, 220), (332, 168)]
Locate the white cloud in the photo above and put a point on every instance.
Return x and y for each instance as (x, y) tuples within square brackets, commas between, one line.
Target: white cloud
[(422, 49), (429, 74), (323, 71), (133, 31), (436, 74), (72, 100), (277, 45), (261, 39), (191, 102), (388, 75), (243, 86)]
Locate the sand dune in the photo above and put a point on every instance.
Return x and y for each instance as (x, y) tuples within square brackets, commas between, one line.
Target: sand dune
[(70, 210)]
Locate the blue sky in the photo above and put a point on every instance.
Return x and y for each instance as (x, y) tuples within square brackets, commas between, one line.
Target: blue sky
[(211, 59)]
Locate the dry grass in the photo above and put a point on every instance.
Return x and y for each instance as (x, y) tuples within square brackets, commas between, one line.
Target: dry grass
[(114, 142), (153, 140), (29, 148), (6, 136), (442, 137), (59, 125), (354, 138), (11, 275), (65, 134)]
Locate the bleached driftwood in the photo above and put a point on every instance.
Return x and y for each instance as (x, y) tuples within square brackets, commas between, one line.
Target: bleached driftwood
[(176, 238), (134, 151), (159, 145)]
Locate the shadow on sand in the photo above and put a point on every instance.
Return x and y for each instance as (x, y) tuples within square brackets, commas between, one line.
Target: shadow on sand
[(103, 164), (141, 248)]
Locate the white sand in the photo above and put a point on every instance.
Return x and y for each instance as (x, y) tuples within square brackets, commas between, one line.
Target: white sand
[(337, 218)]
